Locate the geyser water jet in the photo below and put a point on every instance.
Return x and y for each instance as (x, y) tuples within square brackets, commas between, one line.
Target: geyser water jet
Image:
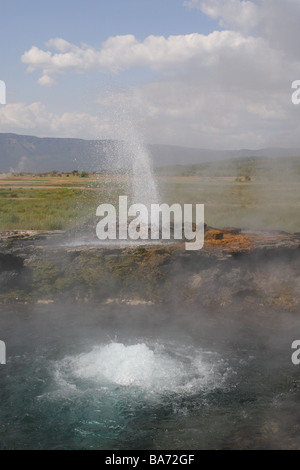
[(129, 155)]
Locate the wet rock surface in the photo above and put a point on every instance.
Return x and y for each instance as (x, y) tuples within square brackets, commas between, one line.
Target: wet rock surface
[(253, 268)]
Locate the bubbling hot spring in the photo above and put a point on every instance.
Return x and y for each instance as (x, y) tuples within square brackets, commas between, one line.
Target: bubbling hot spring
[(150, 368)]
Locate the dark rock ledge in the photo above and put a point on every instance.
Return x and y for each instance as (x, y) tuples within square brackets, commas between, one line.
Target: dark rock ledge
[(252, 268)]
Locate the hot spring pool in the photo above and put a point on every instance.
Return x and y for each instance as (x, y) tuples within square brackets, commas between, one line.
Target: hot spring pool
[(113, 378)]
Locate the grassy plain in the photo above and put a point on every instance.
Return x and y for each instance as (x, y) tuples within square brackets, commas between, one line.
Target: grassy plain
[(58, 203)]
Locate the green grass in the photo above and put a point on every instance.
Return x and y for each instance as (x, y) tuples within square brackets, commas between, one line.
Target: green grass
[(259, 204), (44, 209), (259, 167)]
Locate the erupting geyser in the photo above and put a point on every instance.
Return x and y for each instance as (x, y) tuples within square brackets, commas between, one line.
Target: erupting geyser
[(129, 156)]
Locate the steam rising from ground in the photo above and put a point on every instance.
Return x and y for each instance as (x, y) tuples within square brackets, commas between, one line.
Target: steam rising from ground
[(170, 380)]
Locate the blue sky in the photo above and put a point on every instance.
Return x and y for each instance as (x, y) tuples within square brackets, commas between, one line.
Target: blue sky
[(201, 73), (34, 22)]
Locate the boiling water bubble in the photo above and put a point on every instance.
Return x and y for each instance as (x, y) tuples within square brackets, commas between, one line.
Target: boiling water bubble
[(155, 368)]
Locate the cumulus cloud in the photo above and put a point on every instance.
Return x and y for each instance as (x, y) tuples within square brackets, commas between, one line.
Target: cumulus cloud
[(230, 13), (46, 80), (21, 116), (196, 115), (35, 117), (227, 89), (126, 52), (276, 21)]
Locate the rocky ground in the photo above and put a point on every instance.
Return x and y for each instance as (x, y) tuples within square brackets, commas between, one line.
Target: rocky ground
[(256, 269)]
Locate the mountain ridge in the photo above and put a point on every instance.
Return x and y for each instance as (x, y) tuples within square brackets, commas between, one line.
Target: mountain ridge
[(25, 153)]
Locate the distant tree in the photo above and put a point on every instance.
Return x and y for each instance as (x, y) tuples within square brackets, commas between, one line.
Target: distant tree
[(75, 172), (84, 174), (244, 179)]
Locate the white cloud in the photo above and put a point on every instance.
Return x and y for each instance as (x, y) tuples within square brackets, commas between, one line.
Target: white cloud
[(276, 21), (193, 115), (226, 89), (46, 80), (21, 116), (125, 52), (34, 117), (230, 13)]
